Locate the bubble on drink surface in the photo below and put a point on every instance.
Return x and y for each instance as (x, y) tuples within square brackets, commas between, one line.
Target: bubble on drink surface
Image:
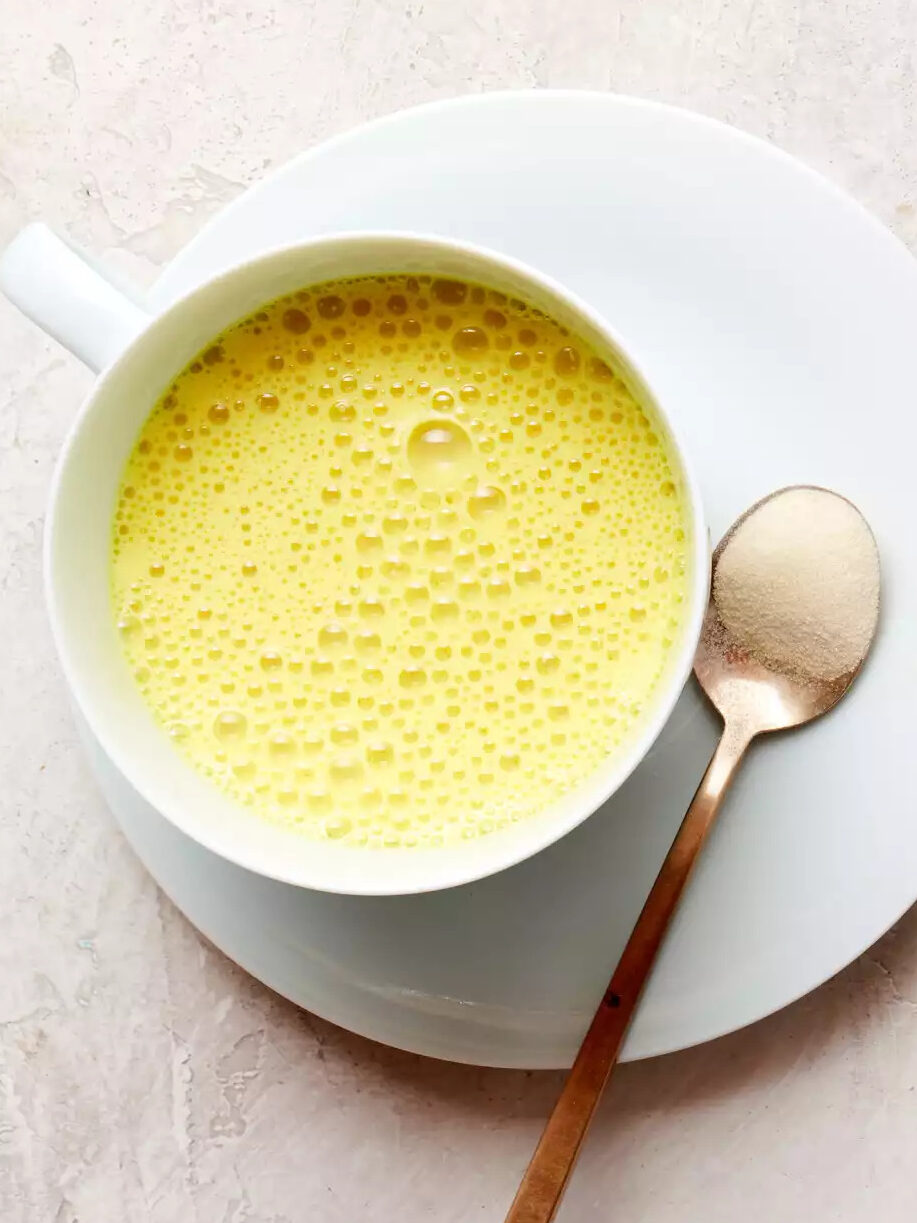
[(230, 725), (439, 450), (486, 500)]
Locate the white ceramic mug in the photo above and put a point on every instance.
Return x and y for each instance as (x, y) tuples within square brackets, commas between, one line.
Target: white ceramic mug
[(107, 327)]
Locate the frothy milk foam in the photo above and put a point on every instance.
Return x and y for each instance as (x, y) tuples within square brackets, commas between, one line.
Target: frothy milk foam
[(398, 561)]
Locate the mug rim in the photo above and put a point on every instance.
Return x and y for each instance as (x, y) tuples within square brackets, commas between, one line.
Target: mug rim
[(545, 829)]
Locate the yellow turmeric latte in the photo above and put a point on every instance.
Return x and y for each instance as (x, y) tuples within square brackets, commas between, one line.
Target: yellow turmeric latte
[(398, 561)]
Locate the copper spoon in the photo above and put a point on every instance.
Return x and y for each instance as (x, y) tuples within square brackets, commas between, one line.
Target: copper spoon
[(752, 699)]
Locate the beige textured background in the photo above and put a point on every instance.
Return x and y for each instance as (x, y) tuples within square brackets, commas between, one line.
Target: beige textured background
[(143, 1079)]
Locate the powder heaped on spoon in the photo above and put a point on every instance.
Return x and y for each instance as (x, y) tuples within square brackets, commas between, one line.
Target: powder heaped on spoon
[(797, 584)]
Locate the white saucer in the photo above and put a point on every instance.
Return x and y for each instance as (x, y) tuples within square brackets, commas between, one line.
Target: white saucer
[(780, 321)]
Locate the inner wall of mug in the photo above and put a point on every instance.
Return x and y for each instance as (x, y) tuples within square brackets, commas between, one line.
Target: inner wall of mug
[(79, 546)]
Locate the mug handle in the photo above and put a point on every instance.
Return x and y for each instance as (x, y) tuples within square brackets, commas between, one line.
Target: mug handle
[(70, 296)]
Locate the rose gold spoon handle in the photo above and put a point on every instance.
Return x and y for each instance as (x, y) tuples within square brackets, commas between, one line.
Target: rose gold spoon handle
[(547, 1175)]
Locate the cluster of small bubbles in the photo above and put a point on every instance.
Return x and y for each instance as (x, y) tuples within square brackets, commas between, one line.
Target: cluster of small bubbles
[(398, 561)]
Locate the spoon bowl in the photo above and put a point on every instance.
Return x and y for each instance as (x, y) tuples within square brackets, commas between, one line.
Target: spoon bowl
[(750, 695)]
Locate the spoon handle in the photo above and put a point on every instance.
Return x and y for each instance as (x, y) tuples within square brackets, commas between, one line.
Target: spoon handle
[(548, 1173)]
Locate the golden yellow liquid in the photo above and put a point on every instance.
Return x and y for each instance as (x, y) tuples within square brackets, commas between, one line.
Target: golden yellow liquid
[(397, 561)]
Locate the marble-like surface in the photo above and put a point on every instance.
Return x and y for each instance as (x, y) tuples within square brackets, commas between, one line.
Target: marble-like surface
[(142, 1077)]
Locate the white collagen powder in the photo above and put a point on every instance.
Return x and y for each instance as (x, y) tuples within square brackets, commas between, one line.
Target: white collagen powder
[(797, 585)]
